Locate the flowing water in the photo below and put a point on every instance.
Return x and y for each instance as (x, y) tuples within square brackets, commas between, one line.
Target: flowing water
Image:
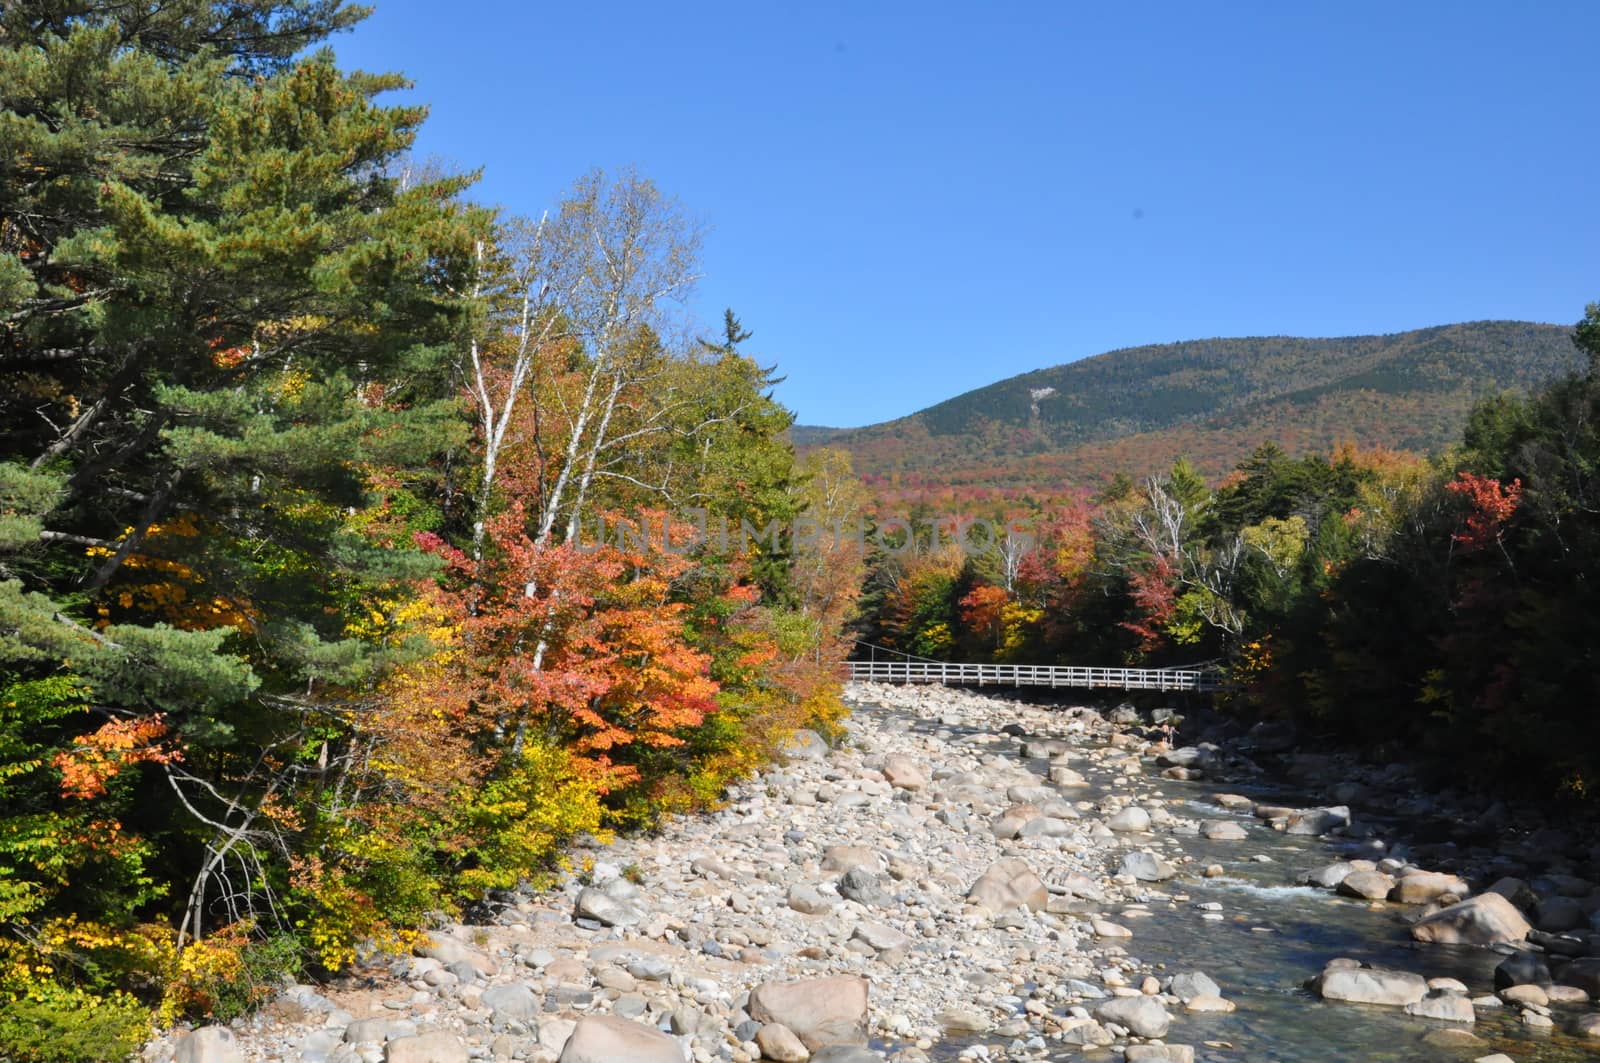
[(1275, 933)]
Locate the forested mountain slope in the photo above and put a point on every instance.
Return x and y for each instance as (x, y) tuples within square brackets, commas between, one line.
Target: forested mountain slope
[(1135, 409)]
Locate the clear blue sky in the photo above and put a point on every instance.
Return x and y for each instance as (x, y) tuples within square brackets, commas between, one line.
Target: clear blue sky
[(911, 200)]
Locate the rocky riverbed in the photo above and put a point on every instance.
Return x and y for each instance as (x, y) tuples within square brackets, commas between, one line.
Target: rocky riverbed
[(966, 876)]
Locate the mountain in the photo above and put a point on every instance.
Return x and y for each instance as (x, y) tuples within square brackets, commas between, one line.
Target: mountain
[(1136, 409)]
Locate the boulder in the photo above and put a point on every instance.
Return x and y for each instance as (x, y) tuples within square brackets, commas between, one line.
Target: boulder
[(1146, 867), (1142, 1016), (1009, 883), (1585, 974), (1423, 887), (1521, 968), (608, 1039), (1314, 821), (846, 857), (1368, 885), (778, 1042), (1557, 914), (903, 773), (1223, 830), (511, 1003), (1168, 1053), (808, 900), (448, 950), (606, 909), (1330, 876), (1008, 823), (1445, 1007), (1371, 985), (1131, 820), (1487, 919), (1191, 984), (209, 1044), (886, 941), (845, 1054), (804, 744), (378, 1030), (820, 1011), (435, 1046), (860, 885)]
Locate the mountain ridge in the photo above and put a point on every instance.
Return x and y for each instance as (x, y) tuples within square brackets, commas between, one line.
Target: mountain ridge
[(1213, 399)]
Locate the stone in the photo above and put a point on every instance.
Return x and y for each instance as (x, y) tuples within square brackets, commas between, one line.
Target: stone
[(1514, 890), (845, 857), (1008, 823), (881, 939), (1522, 968), (606, 909), (903, 773), (1191, 984), (1223, 830), (1445, 1007), (820, 1011), (1131, 820), (1045, 827), (778, 1042), (435, 1046), (1062, 775), (1423, 887), (1368, 885), (860, 885), (808, 900), (650, 968), (1330, 876), (209, 1044), (1170, 1053), (1105, 928), (845, 1054), (448, 950), (1314, 821), (1525, 994), (1371, 985), (1585, 974), (1009, 883), (1487, 919), (958, 1021), (804, 744), (1142, 1016), (1209, 1002), (511, 1003), (607, 1039), (1587, 1026), (378, 1030), (1557, 914), (1146, 867)]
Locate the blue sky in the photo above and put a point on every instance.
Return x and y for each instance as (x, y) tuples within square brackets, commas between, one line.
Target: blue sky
[(907, 201)]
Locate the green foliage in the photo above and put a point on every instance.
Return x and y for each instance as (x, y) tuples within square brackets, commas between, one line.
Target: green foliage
[(265, 964), (56, 1025)]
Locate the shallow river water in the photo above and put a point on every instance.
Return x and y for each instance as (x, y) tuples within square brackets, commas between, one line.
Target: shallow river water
[(1275, 933)]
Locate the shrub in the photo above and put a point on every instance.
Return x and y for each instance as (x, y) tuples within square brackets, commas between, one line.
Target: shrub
[(54, 1024)]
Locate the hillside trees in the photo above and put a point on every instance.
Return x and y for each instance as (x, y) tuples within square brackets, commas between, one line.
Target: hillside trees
[(300, 638), (226, 332)]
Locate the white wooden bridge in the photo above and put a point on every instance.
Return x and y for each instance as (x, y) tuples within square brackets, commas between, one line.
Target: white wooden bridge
[(1198, 680)]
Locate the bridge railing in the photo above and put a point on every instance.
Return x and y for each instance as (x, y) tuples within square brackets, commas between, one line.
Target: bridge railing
[(1199, 680)]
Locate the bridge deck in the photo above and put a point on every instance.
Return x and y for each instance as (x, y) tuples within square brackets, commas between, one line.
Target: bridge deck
[(1038, 675)]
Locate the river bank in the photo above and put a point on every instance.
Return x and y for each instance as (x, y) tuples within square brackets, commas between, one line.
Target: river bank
[(971, 876)]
